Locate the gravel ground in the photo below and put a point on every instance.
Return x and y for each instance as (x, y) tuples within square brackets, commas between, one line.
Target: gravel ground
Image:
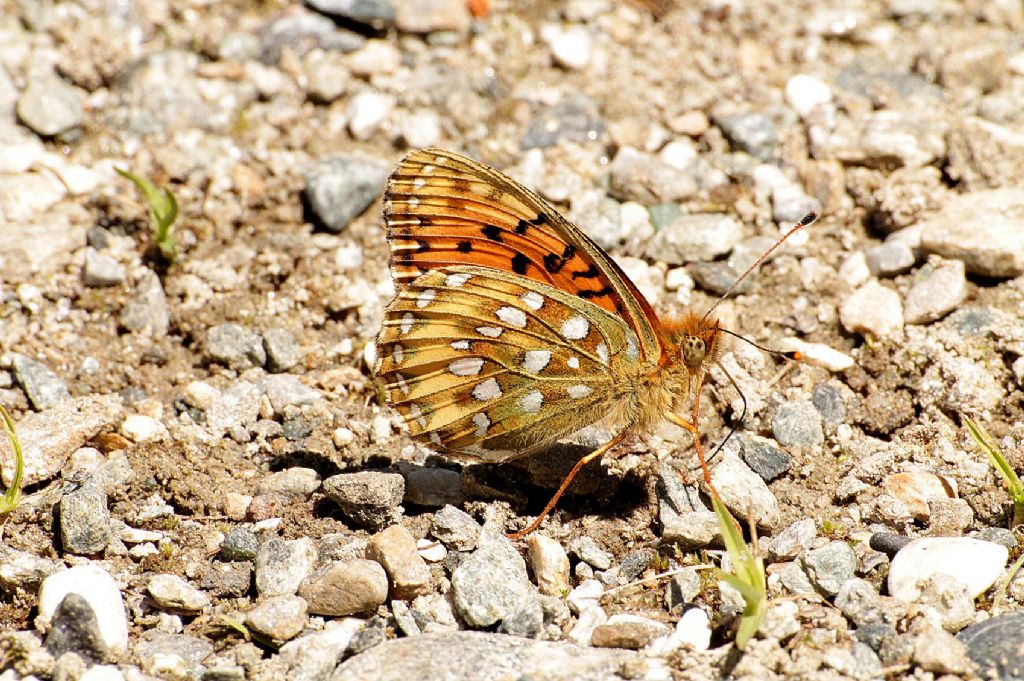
[(213, 487)]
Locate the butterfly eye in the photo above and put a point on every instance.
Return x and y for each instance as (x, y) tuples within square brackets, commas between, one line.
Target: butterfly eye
[(693, 351)]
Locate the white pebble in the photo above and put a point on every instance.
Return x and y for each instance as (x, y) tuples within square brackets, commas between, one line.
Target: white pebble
[(99, 589), (872, 309), (817, 353), (571, 48), (975, 563), (431, 551), (200, 395), (342, 437), (804, 93), (367, 112), (139, 428)]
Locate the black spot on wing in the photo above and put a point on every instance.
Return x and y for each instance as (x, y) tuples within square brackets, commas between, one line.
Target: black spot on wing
[(492, 232), (541, 219), (587, 294), (522, 226), (520, 263), (591, 273), (464, 247), (554, 263), (422, 246)]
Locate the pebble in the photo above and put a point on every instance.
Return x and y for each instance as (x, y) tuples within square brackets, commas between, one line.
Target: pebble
[(627, 631), (938, 288), (170, 655), (280, 618), (282, 564), (395, 549), (717, 277), (147, 312), (574, 119), (456, 529), (689, 238), (860, 602), (830, 566), (936, 650), (240, 544), (790, 204), (142, 428), (431, 551), (872, 309), (367, 112), (796, 581), (525, 620), (433, 487), (634, 563), (84, 519), (339, 189), (23, 570), (588, 619), (375, 57), (828, 400), (372, 634), (798, 423), (854, 270), (74, 630), (805, 93), (752, 132), (369, 499), (764, 457), (51, 107), (374, 13), (948, 598), (791, 542), (780, 621), (286, 390), (572, 48), (916, 488), (235, 346), (889, 259), (692, 530), (296, 482), (431, 16), (693, 630), (282, 350), (314, 656), (987, 644), (646, 179), (300, 32), (550, 564), (42, 386), (421, 128), (101, 270), (488, 584), (745, 493), (586, 549), (171, 592), (976, 564), (346, 587), (983, 229), (237, 407), (404, 619), (857, 661), (100, 591)]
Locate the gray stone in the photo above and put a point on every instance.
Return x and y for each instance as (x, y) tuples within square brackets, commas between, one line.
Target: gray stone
[(790, 204), (860, 602), (283, 351), (456, 529), (405, 619), (949, 599), (692, 530), (236, 408), (147, 311), (682, 589), (798, 423), (287, 390), (984, 229), (752, 132), (575, 119), (296, 482), (674, 496), (634, 563), (160, 645), (938, 651), (525, 620), (586, 549), (395, 549), (234, 346), (374, 13), (102, 594), (763, 457), (85, 520), (370, 499), (830, 566), (23, 570), (339, 189), (703, 236), (226, 580), (717, 277), (51, 107), (828, 400), (745, 493), (302, 31), (988, 644), (791, 542), (43, 388), (489, 584), (171, 592), (433, 16), (433, 487), (282, 564), (372, 634), (101, 270), (939, 287), (984, 155), (346, 587), (857, 662), (76, 629), (889, 259), (794, 579), (645, 178), (280, 618)]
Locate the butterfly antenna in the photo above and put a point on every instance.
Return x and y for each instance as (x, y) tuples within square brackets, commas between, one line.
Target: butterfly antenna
[(794, 355), (743, 413), (804, 221)]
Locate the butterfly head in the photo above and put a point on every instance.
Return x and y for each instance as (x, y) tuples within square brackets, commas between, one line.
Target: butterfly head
[(696, 341)]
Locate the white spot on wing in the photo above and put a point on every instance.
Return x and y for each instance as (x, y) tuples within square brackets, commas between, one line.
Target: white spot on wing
[(578, 392), (466, 366), (427, 169), (573, 362), (413, 201), (490, 331), (512, 316), (419, 182), (460, 345), (575, 328), (407, 321), (631, 350), (435, 439), (532, 401), (533, 300), (414, 411), (602, 352), (536, 360), (488, 390), (482, 423), (402, 385), (398, 353), (426, 297), (457, 279)]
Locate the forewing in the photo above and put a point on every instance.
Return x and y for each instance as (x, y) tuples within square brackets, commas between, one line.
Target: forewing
[(444, 209), (494, 364)]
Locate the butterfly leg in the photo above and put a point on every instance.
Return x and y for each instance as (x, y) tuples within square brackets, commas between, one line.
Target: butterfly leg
[(683, 423), (565, 484)]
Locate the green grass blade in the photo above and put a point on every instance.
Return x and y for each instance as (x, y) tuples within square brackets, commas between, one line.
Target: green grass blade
[(10, 499), (747, 577), (163, 209), (999, 462)]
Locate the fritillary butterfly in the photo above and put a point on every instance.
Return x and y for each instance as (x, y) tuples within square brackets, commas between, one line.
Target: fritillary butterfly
[(511, 328)]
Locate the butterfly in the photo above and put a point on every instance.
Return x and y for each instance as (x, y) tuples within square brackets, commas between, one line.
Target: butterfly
[(511, 328)]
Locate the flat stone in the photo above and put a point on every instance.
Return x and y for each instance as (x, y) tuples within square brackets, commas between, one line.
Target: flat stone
[(984, 229), (692, 530), (339, 189), (240, 544), (889, 259), (830, 566), (916, 488), (489, 584), (171, 592), (689, 238), (370, 499), (872, 309), (23, 570), (395, 549), (282, 564), (646, 179), (977, 564), (101, 270), (42, 386), (627, 631), (99, 590), (586, 549), (430, 16), (550, 564), (745, 493), (764, 457), (75, 629), (234, 346), (433, 487), (988, 643), (345, 588), (280, 618), (938, 288), (791, 542), (51, 107), (85, 519), (283, 351), (752, 132), (456, 529), (296, 482)]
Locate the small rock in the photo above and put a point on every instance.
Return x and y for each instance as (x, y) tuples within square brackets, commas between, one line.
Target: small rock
[(693, 630), (526, 620), (976, 564), (634, 563), (405, 619), (692, 530), (297, 482), (174, 593), (147, 312), (430, 16), (805, 93), (888, 543), (916, 488), (718, 277), (792, 576), (627, 631), (703, 236), (236, 408), (939, 287), (791, 542), (367, 112), (489, 584), (456, 529), (987, 644), (763, 457), (421, 128), (936, 650), (99, 590), (949, 599), (51, 107), (646, 179), (574, 119), (345, 588), (858, 662), (373, 13), (395, 549), (589, 619), (314, 656), (753, 133), (745, 493), (23, 570), (369, 499), (375, 57), (586, 549), (780, 621), (854, 270), (790, 204), (550, 564), (280, 618), (43, 388), (830, 566), (828, 400), (240, 544), (371, 635), (300, 32), (282, 564), (339, 189), (171, 655), (85, 520), (872, 309), (817, 353), (984, 229), (433, 487), (682, 589), (281, 348), (142, 428), (860, 602), (889, 259), (572, 47), (101, 270), (74, 630), (235, 346)]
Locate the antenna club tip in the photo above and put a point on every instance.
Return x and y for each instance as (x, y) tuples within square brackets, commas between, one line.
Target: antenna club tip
[(809, 218), (795, 355)]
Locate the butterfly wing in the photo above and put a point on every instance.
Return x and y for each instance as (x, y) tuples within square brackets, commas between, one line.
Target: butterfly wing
[(496, 365), (444, 209)]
